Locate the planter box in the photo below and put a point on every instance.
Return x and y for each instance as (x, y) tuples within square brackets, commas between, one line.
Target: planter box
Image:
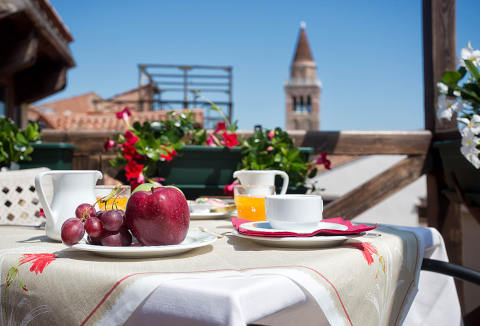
[(203, 170), (201, 165), (55, 156), (454, 162)]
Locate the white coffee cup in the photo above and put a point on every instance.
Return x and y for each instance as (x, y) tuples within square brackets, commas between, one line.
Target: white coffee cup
[(261, 177), (298, 213)]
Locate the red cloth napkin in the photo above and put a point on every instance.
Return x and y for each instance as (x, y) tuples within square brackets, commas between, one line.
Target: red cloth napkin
[(352, 229)]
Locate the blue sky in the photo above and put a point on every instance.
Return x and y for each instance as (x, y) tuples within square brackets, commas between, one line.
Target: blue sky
[(368, 54)]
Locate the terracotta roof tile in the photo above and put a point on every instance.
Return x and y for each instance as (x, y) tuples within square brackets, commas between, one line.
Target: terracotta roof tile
[(76, 104), (81, 113), (106, 121)]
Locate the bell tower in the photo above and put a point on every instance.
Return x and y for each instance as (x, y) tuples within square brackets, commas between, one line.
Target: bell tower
[(302, 90)]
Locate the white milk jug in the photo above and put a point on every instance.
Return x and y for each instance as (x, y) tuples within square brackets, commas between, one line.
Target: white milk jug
[(70, 189), (261, 177)]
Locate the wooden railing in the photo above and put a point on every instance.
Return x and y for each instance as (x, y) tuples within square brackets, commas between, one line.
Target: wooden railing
[(415, 144)]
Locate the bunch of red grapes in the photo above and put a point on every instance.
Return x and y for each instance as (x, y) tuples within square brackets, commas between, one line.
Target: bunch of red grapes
[(104, 228)]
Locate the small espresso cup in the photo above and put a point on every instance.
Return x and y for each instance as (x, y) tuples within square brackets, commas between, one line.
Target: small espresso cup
[(298, 213)]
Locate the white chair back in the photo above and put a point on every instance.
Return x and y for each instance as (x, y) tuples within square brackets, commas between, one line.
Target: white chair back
[(19, 204)]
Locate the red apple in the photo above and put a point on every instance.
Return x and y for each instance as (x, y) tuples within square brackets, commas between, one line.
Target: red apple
[(158, 217)]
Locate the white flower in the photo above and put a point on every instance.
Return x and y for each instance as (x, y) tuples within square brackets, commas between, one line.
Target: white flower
[(469, 148), (447, 107), (469, 53), (471, 126), (442, 88)]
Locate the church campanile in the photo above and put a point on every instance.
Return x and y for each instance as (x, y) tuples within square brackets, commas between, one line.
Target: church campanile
[(302, 90)]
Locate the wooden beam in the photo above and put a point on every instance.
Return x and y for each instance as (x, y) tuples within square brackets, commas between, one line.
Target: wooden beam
[(19, 55), (10, 104), (438, 55), (369, 142), (453, 236), (39, 81), (439, 49), (377, 189), (52, 30)]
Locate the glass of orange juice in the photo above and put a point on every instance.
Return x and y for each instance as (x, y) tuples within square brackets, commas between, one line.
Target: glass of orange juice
[(250, 201), (116, 202)]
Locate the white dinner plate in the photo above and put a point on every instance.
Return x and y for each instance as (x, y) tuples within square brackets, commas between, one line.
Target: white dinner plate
[(319, 241), (266, 227), (209, 216), (194, 239)]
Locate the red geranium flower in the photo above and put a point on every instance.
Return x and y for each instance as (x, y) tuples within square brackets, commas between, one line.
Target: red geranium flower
[(167, 157), (130, 137), (322, 159), (130, 152), (109, 144), (124, 114), (39, 261), (212, 141), (138, 181), (220, 126), (271, 133), (170, 154), (133, 170), (228, 189), (229, 140)]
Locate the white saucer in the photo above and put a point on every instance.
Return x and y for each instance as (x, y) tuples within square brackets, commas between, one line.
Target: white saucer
[(194, 239), (266, 227), (209, 216), (319, 241)]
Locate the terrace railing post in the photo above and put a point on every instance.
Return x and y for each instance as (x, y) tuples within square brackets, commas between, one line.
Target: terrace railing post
[(439, 55)]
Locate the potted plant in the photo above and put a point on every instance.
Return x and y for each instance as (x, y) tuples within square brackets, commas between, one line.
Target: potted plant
[(177, 151), (274, 150), (460, 94), (15, 144)]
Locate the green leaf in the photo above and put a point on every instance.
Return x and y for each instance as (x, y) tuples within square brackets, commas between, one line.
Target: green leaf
[(152, 155), (469, 95), (136, 125), (14, 143), (21, 139), (451, 78), (472, 69)]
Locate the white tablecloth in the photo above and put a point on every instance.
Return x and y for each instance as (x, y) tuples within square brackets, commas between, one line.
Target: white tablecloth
[(233, 290), (242, 297)]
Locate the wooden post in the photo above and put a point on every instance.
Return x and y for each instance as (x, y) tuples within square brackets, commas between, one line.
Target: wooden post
[(439, 55)]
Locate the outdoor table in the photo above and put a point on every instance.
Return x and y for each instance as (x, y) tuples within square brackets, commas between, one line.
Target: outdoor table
[(369, 280)]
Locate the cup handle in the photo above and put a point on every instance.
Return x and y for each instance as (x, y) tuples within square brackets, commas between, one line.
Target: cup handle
[(235, 174), (41, 193), (285, 181)]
